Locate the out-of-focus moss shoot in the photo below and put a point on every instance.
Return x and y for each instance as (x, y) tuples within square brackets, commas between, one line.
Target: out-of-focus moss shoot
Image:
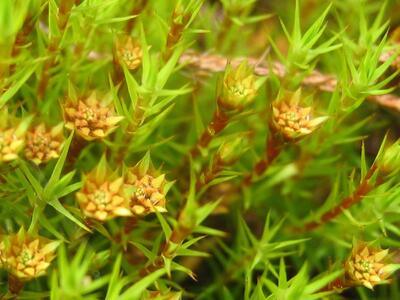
[(238, 88)]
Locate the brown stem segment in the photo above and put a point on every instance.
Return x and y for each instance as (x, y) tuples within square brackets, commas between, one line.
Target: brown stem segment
[(210, 173), (75, 149), (63, 16), (218, 123), (337, 284), (131, 130), (136, 10), (362, 190), (175, 34), (273, 149), (20, 40), (15, 285), (130, 224)]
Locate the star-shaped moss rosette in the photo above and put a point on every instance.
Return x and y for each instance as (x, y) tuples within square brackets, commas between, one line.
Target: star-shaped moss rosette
[(368, 266), (44, 143), (93, 117), (128, 52), (148, 188), (26, 256), (238, 88), (103, 195), (12, 135), (292, 120)]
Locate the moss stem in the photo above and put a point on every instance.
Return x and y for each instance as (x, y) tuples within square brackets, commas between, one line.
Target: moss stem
[(15, 285), (63, 16), (273, 149), (361, 191), (219, 121)]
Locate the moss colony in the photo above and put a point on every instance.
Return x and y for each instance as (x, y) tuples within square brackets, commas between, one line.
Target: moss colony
[(199, 149)]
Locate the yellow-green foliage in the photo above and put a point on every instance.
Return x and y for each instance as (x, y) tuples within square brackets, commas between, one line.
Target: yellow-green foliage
[(199, 149)]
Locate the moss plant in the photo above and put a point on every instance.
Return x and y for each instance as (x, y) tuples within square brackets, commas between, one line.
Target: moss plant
[(199, 149)]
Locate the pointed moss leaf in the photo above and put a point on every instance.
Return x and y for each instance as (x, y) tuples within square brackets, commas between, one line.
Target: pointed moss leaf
[(23, 126), (55, 176), (114, 286), (204, 211), (180, 268), (150, 255), (296, 26), (146, 61), (48, 226), (102, 230), (209, 231), (63, 181), (364, 167), (192, 241), (270, 285), (11, 91), (144, 163), (114, 20), (167, 264), (102, 168), (95, 285), (31, 179), (132, 86), (167, 70), (135, 291), (36, 215), (164, 225), (66, 190), (189, 252), (147, 129), (52, 20), (55, 203), (322, 282)]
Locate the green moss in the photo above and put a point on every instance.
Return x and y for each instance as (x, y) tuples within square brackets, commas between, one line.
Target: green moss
[(254, 209)]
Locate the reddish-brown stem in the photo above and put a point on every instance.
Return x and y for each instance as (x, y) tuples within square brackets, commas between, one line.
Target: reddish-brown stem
[(75, 149), (179, 234), (130, 224), (273, 149), (63, 16), (210, 173), (15, 285), (217, 124), (131, 129), (136, 10), (51, 50), (118, 75), (337, 284), (362, 190), (20, 40), (174, 34)]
